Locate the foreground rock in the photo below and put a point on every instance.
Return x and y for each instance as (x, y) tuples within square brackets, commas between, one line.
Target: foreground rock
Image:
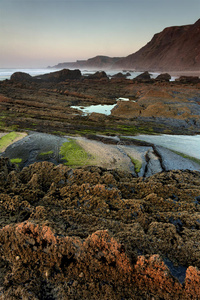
[(90, 233), (20, 76)]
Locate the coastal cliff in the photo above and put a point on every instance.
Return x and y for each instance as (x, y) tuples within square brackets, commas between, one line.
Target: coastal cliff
[(176, 48)]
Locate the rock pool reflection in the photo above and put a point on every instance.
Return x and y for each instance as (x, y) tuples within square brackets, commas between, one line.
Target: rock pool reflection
[(101, 109)]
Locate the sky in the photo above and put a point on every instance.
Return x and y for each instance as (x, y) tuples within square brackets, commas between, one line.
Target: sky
[(41, 33)]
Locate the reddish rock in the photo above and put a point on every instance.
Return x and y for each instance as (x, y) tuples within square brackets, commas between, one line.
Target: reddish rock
[(151, 274), (192, 283), (94, 233), (126, 109)]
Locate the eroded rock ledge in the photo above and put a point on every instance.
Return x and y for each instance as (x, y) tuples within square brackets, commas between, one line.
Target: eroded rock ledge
[(90, 233)]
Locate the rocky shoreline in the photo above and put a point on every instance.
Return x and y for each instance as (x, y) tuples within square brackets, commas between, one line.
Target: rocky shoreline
[(43, 103), (129, 229), (139, 158), (92, 233)]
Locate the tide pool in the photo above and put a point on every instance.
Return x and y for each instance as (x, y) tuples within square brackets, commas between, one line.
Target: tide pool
[(101, 109)]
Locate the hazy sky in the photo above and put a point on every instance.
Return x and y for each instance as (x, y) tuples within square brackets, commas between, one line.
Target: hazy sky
[(38, 33)]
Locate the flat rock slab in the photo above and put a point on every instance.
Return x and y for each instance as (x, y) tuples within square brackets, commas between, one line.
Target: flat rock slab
[(138, 153), (173, 161), (107, 156), (36, 147)]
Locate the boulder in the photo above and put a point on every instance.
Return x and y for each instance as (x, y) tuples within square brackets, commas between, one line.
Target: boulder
[(21, 76), (98, 75), (61, 75), (126, 109), (144, 77), (119, 75), (163, 77), (188, 79)]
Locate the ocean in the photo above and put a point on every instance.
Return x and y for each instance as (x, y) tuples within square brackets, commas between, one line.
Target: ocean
[(6, 73), (186, 144)]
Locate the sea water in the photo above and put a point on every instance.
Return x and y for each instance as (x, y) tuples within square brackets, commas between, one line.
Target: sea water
[(6, 73), (186, 144), (99, 108)]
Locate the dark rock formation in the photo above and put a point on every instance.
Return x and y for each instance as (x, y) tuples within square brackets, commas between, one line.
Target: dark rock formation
[(59, 76), (188, 79), (98, 75), (90, 233), (144, 77), (163, 77), (21, 76), (119, 75)]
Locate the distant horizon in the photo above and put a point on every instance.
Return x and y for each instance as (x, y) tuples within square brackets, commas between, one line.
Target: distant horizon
[(41, 33)]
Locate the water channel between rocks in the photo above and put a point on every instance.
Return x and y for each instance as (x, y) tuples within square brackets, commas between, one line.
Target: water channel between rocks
[(187, 144)]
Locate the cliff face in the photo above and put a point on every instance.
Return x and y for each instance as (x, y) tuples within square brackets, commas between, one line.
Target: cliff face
[(175, 48)]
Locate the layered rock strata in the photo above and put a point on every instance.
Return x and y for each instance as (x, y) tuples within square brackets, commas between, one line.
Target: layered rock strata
[(45, 104)]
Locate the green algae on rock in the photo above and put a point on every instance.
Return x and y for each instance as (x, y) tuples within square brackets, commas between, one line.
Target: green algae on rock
[(74, 154)]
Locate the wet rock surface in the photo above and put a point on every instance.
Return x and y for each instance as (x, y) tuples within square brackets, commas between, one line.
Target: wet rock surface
[(142, 159), (93, 233), (36, 147)]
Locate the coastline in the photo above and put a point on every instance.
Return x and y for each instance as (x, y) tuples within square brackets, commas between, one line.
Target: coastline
[(127, 226)]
